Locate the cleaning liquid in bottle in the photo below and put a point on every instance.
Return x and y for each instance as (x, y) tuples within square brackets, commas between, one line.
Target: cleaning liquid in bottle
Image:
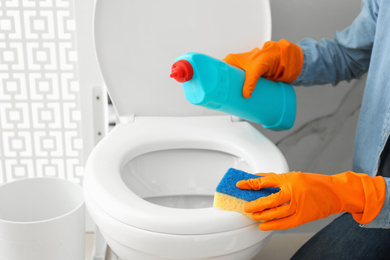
[(214, 84)]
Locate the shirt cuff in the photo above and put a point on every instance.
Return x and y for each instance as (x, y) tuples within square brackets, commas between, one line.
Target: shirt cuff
[(299, 81), (382, 220)]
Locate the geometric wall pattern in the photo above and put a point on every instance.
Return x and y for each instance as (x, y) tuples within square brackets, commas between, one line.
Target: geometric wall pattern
[(40, 117)]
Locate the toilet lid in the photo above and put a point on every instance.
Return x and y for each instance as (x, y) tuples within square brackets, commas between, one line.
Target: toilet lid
[(137, 42)]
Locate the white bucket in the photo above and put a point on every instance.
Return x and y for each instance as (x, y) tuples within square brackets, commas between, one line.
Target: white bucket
[(42, 219)]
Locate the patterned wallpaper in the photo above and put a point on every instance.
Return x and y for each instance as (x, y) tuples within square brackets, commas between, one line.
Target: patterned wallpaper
[(40, 118)]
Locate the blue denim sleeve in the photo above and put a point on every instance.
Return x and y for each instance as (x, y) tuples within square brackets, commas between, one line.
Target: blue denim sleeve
[(382, 220), (345, 57)]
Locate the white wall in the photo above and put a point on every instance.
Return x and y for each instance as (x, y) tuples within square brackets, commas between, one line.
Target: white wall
[(297, 19)]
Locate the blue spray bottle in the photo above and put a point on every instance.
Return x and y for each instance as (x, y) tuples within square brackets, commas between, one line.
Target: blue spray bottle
[(214, 84)]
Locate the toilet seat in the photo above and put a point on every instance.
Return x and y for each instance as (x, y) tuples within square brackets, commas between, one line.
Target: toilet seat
[(106, 188)]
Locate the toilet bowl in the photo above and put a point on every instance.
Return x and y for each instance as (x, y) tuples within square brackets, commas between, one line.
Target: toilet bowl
[(149, 184), (150, 190)]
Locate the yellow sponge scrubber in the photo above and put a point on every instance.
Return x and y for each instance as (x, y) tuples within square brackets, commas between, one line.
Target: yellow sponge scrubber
[(229, 197)]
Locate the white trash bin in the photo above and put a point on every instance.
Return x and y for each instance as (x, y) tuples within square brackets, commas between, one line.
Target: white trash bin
[(42, 219)]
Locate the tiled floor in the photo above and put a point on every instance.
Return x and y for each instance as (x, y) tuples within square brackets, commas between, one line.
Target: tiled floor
[(280, 247)]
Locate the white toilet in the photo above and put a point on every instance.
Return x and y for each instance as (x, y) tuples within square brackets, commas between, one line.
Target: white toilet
[(149, 184)]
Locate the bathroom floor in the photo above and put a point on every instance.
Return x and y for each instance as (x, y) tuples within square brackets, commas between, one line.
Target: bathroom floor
[(290, 243)]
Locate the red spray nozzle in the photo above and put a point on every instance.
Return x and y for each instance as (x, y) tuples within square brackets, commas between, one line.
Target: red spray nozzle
[(182, 71)]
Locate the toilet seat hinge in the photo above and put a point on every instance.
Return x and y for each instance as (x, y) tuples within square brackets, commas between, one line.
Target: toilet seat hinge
[(236, 119), (127, 119)]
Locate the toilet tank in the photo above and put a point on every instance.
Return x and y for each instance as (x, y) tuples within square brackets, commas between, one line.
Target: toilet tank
[(138, 40)]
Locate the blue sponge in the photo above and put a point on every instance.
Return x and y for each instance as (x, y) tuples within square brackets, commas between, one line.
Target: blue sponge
[(229, 197)]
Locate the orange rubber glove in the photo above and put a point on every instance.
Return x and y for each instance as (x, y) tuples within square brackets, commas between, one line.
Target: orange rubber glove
[(305, 197), (277, 61)]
